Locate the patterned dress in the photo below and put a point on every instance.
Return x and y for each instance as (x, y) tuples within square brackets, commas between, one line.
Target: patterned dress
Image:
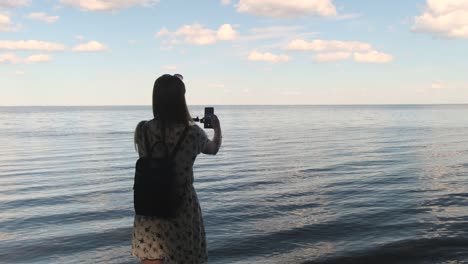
[(182, 239)]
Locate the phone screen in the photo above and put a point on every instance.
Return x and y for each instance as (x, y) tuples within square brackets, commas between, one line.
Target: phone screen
[(209, 111)]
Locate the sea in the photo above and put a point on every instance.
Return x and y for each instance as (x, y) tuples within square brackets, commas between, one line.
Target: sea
[(290, 184)]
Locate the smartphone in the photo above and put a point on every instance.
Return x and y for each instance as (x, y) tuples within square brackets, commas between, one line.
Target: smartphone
[(209, 112)]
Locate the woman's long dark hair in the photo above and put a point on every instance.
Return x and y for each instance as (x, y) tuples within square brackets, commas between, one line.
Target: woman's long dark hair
[(169, 105)]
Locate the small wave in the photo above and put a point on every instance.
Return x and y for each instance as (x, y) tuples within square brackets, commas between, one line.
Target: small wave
[(60, 199), (426, 250), (452, 199), (241, 186), (63, 246), (63, 134), (65, 218)]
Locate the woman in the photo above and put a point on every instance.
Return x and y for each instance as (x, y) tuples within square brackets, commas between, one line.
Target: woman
[(180, 239)]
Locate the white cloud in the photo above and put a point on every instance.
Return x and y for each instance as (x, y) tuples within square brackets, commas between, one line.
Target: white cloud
[(225, 2), (79, 37), (332, 56), (347, 16), (438, 85), (106, 5), (18, 72), (6, 25), (445, 18), (282, 8), (276, 32), (38, 58), (327, 45), (268, 57), (90, 46), (226, 32), (43, 17), (169, 68), (216, 85), (13, 59), (372, 57), (163, 32), (31, 45), (198, 35), (363, 52), (9, 58), (14, 3), (4, 19)]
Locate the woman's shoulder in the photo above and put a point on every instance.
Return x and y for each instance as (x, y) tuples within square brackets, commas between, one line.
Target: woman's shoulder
[(196, 128), (154, 125), (140, 130), (141, 124), (197, 132)]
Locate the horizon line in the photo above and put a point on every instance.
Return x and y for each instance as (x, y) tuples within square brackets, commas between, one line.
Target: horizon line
[(123, 105)]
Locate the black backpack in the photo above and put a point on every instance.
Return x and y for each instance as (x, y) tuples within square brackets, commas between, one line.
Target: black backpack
[(155, 188)]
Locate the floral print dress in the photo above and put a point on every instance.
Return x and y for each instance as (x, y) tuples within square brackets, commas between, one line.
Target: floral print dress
[(182, 239)]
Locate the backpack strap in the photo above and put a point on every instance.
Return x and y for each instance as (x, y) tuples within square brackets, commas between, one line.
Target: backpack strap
[(163, 141), (176, 148), (163, 136)]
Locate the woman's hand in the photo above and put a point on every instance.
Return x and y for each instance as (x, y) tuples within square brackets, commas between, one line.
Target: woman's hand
[(213, 145), (215, 123)]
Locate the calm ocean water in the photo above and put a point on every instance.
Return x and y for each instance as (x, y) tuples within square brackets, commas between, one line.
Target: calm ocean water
[(291, 184)]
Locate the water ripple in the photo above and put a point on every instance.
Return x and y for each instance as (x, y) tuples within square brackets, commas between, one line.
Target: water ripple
[(328, 184)]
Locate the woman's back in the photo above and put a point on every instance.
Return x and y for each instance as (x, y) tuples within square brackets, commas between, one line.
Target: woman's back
[(150, 140)]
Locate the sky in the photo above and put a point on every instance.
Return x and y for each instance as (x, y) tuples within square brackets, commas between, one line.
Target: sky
[(237, 52)]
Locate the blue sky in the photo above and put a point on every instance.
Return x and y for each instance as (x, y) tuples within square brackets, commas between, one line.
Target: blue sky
[(108, 52)]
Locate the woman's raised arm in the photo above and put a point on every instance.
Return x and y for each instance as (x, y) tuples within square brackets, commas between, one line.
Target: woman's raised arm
[(212, 146)]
